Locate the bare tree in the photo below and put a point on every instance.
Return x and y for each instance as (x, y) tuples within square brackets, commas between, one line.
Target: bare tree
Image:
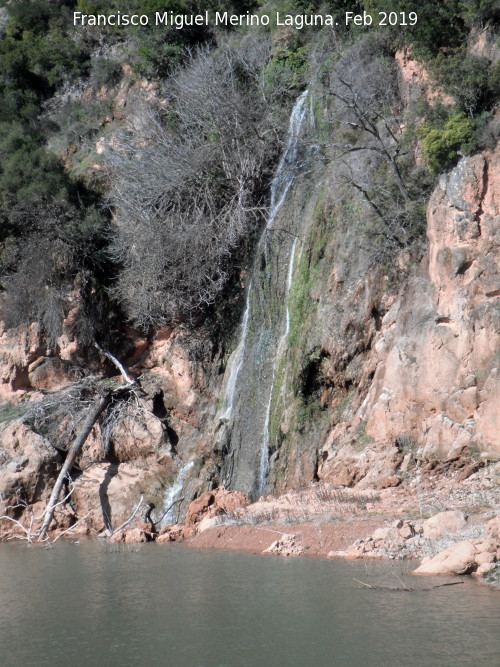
[(368, 151), (364, 87), (59, 250), (73, 452), (188, 182)]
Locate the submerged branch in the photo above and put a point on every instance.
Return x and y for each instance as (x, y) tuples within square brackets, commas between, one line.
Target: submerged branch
[(408, 589)]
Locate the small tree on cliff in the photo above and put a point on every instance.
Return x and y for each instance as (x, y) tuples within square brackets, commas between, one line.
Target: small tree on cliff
[(370, 155)]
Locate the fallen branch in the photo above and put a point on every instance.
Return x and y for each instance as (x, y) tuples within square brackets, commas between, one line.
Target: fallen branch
[(406, 588), (116, 363), (70, 459), (449, 583), (18, 523), (72, 487)]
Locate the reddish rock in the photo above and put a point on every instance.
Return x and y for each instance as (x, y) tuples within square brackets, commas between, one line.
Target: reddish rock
[(494, 528), (139, 434), (130, 536), (28, 465), (50, 373), (435, 373), (229, 501), (416, 81), (110, 492), (443, 524), (170, 533), (214, 503), (198, 507), (388, 482), (457, 559)]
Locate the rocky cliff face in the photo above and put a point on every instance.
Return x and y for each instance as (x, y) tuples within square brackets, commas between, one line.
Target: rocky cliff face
[(378, 375), (437, 370), (435, 359)]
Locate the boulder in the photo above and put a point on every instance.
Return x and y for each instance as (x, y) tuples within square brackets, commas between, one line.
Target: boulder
[(389, 482), (214, 503), (484, 569), (50, 373), (485, 557), (136, 535), (443, 524), (208, 522), (285, 546), (229, 501), (406, 531), (198, 507), (170, 533), (381, 533), (457, 559)]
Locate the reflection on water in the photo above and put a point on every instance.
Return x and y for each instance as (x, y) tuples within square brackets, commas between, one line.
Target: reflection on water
[(81, 605)]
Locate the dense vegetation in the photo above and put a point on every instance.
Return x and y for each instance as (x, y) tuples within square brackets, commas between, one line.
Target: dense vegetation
[(178, 235)]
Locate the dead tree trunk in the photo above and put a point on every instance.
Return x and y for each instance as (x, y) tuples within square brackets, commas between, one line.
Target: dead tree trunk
[(73, 452)]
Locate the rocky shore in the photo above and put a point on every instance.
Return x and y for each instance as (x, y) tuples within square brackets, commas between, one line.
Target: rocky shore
[(324, 521)]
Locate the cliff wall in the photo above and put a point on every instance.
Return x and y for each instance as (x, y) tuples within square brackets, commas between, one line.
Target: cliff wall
[(387, 366)]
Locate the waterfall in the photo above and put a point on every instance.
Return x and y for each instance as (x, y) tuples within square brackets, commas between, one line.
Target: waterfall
[(169, 509), (288, 287), (283, 179), (236, 363), (264, 458), (247, 399), (287, 167)]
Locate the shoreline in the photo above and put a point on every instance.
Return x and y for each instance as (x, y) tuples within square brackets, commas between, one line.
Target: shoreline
[(311, 538)]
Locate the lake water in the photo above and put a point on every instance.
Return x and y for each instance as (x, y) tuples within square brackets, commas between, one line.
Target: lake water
[(168, 605)]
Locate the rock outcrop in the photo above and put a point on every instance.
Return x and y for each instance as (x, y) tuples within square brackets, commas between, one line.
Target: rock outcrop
[(435, 389), (467, 557), (437, 379)]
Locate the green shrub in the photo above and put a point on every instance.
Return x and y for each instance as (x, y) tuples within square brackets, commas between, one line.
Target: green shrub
[(441, 146), (28, 171), (439, 23), (469, 79)]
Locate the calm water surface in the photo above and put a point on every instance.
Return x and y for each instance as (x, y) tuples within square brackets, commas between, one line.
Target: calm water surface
[(82, 605)]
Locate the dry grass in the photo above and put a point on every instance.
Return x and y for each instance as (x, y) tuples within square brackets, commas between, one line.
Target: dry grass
[(320, 503)]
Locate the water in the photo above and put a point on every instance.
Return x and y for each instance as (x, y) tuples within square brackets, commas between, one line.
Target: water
[(288, 287), (78, 605), (288, 166), (170, 507), (264, 452), (247, 398), (236, 362), (282, 181)]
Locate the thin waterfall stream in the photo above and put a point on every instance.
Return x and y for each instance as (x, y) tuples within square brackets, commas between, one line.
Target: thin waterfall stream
[(173, 496), (227, 405), (247, 396), (264, 453)]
